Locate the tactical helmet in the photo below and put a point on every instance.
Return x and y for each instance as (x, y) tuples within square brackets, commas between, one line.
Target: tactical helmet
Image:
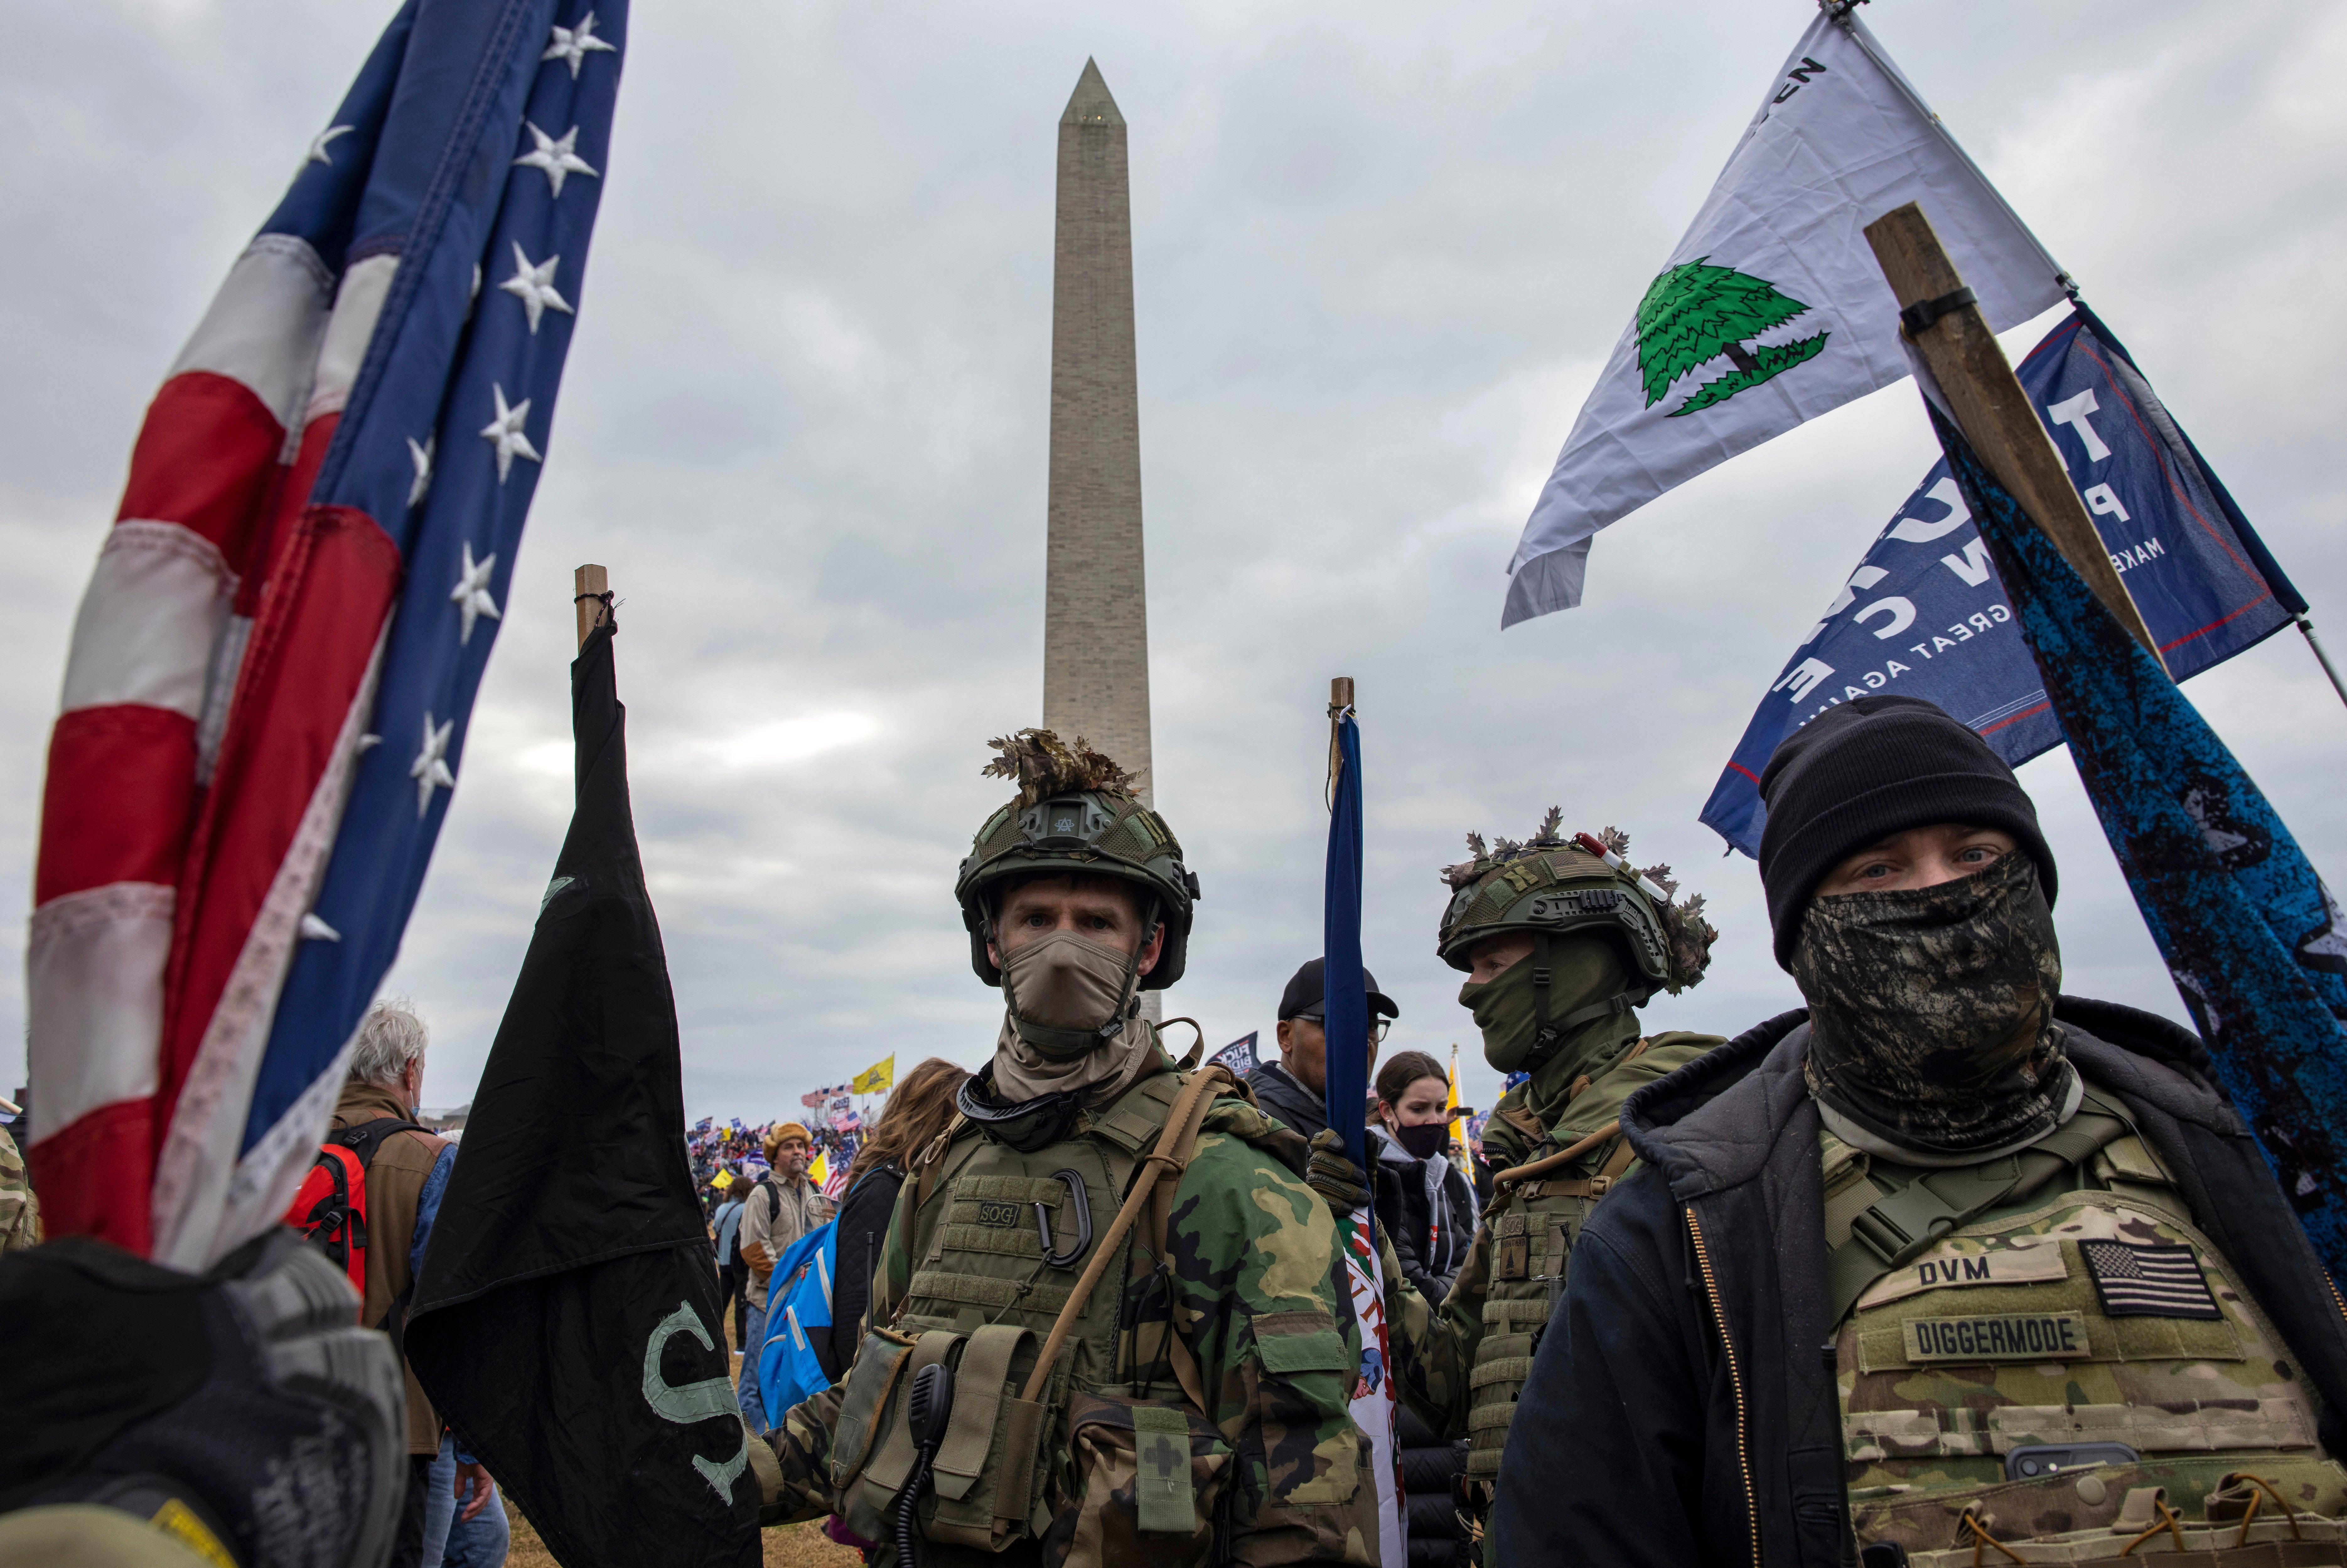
[(1552, 887), (1075, 815)]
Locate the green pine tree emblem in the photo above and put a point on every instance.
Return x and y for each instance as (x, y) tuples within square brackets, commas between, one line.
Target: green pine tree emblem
[(1696, 312)]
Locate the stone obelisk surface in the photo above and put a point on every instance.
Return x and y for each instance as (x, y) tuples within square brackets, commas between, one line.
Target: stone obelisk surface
[(1095, 606)]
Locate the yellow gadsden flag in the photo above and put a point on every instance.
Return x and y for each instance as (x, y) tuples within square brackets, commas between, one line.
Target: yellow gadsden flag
[(880, 1075)]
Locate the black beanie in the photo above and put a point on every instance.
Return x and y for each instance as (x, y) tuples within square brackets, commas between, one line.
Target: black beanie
[(1869, 768)]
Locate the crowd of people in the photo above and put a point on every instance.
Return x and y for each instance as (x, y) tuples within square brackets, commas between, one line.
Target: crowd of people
[(1944, 1263)]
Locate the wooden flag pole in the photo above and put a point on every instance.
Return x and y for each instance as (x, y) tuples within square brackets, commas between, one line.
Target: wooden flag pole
[(1340, 698), (1989, 404), (589, 584)]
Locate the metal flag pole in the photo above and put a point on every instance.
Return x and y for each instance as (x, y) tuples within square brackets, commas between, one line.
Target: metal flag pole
[(2306, 630)]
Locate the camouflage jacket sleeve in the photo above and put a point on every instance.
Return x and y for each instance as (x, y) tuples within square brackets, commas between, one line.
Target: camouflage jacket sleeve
[(20, 1211), (801, 1441), (799, 1488), (1433, 1347), (1260, 1296)]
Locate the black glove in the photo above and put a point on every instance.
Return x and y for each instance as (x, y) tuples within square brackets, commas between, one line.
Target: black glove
[(248, 1399), (1336, 1179)]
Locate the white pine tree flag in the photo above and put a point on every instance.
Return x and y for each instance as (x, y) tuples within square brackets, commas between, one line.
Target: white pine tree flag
[(1771, 310)]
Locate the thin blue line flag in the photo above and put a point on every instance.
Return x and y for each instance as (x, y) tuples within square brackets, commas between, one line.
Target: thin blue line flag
[(2251, 937)]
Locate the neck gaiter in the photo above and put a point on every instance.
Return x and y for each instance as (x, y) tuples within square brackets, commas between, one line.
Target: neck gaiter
[(1062, 988), (1931, 1011), (1582, 971)]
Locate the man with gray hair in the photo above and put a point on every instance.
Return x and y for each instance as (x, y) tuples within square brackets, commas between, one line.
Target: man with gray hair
[(406, 1172)]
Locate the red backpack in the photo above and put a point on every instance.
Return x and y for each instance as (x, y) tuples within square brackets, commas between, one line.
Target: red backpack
[(330, 1206)]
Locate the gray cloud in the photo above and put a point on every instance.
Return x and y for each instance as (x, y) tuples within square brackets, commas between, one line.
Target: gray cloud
[(1381, 253)]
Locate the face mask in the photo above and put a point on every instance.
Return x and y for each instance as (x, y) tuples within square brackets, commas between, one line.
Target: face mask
[(1507, 1009), (1423, 1141), (1063, 989), (1932, 1010)]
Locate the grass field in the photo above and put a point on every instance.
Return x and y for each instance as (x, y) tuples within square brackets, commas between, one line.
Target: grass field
[(787, 1546)]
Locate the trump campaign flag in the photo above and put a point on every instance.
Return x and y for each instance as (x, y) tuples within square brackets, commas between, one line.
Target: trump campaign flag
[(1925, 614), (1771, 310), (1239, 1056), (273, 668)]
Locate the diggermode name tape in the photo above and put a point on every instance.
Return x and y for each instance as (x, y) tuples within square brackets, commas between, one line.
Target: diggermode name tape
[(2014, 1336)]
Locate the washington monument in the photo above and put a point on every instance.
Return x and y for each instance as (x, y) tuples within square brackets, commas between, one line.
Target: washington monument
[(1095, 606)]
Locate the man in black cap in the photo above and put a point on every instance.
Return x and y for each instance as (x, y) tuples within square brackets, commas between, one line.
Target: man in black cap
[(1295, 1088), (1946, 1261)]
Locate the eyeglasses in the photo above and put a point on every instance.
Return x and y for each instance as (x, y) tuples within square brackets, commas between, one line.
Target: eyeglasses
[(1378, 1026)]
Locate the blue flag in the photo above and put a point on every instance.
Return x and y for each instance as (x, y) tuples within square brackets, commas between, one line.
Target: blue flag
[(1924, 614), (1344, 998), (2250, 935)]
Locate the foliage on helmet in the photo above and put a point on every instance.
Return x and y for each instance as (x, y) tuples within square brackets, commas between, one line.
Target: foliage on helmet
[(1075, 814), (1511, 885), (1043, 764)]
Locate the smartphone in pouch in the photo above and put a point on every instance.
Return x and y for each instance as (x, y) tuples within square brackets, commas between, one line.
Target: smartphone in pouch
[(2047, 1459)]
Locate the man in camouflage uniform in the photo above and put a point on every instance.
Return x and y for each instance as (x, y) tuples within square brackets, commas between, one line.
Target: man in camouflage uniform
[(1560, 941), (1240, 1332), (1947, 1267), (20, 1211)]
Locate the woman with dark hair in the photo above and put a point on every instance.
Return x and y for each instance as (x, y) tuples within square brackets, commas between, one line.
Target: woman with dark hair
[(1428, 1211), (1427, 1207), (916, 1113)]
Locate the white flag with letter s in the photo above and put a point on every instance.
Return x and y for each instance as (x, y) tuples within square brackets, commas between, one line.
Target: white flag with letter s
[(1771, 310)]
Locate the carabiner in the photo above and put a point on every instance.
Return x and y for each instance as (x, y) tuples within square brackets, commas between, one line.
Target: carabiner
[(1082, 1205)]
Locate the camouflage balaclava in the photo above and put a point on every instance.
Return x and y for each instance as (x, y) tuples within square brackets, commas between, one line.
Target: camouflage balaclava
[(1931, 1012), (1584, 971)]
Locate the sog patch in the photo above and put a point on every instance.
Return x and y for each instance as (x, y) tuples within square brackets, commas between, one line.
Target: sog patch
[(1000, 1216), (2009, 1336), (2148, 1281)]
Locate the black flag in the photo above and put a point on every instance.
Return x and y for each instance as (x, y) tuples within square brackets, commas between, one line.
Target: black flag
[(565, 1319)]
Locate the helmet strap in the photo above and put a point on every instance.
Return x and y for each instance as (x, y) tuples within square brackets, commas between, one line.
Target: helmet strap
[(1128, 992), (1544, 1035)]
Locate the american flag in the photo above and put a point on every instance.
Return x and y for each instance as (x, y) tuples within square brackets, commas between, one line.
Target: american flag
[(2148, 1281), (273, 668)]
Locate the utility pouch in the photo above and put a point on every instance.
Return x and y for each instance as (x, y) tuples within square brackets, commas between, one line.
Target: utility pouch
[(878, 1367), (986, 1480), (1152, 1487), (869, 1474)]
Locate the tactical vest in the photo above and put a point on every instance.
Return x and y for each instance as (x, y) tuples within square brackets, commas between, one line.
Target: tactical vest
[(1053, 1475), (2040, 1304), (1537, 1211)]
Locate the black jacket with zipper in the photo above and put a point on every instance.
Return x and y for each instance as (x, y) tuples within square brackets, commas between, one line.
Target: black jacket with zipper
[(864, 1213), (1681, 1407)]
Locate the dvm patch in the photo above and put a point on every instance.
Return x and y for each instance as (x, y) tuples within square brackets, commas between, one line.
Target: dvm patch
[(2148, 1281)]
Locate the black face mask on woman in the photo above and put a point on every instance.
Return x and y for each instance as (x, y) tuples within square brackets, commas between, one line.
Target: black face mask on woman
[(1424, 1141), (1932, 1010)]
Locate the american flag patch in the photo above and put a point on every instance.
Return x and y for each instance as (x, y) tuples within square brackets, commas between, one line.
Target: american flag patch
[(2148, 1281)]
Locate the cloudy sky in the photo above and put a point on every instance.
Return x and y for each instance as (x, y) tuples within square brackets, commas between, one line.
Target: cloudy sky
[(1381, 251)]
